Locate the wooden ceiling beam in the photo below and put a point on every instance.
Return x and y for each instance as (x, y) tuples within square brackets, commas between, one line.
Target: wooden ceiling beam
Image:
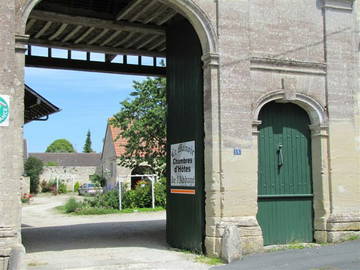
[(166, 18), (157, 44), (143, 10), (126, 39), (142, 45), (72, 33), (43, 30), (84, 35), (134, 41), (130, 7), (30, 24), (111, 38), (92, 48), (59, 31), (96, 38), (96, 23), (155, 14)]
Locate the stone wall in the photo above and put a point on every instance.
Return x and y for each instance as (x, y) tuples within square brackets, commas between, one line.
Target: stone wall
[(70, 175)]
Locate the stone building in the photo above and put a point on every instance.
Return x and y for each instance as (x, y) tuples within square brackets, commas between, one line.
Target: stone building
[(280, 94), (113, 148), (68, 167)]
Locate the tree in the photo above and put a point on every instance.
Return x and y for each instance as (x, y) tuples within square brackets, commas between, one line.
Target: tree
[(33, 167), (60, 146), (142, 121), (87, 145)]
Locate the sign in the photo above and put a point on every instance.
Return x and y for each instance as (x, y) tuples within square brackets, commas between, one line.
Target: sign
[(4, 110), (183, 164)]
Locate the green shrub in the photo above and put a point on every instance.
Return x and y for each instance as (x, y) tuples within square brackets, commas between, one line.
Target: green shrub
[(160, 192), (106, 200), (76, 186), (98, 180), (62, 188), (72, 205), (51, 163), (33, 167)]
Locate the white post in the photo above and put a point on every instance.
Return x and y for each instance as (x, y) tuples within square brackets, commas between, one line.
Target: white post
[(120, 198), (152, 191)]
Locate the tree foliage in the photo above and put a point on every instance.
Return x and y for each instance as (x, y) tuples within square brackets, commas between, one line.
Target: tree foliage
[(87, 146), (60, 146), (33, 167), (142, 121)]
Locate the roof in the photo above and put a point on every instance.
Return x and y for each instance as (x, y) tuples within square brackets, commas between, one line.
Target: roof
[(36, 106), (119, 142), (69, 159)]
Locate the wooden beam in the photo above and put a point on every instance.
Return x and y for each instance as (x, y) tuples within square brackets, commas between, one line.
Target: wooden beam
[(43, 30), (142, 45), (157, 44), (166, 18), (97, 23), (58, 32), (72, 33), (93, 66), (84, 35), (130, 7), (155, 14), (126, 39), (96, 38), (111, 38), (29, 25), (143, 11), (91, 48), (134, 41)]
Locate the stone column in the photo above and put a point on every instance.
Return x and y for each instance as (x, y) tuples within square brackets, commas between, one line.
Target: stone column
[(212, 154), (238, 150), (11, 143), (341, 43)]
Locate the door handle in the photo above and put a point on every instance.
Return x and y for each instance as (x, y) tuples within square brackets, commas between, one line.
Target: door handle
[(280, 156)]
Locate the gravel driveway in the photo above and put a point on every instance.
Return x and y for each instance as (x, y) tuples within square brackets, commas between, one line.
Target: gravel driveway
[(119, 241)]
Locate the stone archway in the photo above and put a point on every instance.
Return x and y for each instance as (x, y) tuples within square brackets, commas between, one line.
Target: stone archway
[(319, 141), (208, 39)]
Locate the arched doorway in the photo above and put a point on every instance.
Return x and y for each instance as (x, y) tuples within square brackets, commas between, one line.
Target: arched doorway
[(285, 190)]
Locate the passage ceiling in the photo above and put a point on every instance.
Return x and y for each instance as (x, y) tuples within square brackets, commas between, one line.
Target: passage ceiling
[(134, 27)]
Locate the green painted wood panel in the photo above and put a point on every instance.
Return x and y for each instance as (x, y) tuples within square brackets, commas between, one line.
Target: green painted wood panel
[(185, 213), (285, 186)]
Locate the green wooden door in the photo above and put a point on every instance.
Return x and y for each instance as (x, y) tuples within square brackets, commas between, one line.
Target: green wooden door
[(285, 186), (185, 203)]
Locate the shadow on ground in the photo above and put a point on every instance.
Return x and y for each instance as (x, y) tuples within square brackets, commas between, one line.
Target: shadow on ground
[(95, 235)]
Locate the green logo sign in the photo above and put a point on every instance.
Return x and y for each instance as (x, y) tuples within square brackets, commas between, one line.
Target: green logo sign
[(4, 110)]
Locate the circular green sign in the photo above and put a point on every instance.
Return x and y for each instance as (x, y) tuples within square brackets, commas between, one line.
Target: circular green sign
[(4, 110)]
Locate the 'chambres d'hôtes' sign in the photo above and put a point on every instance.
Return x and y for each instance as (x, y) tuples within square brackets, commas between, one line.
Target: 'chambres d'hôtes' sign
[(183, 164)]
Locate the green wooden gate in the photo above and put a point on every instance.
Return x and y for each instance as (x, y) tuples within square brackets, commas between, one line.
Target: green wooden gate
[(285, 186), (185, 204)]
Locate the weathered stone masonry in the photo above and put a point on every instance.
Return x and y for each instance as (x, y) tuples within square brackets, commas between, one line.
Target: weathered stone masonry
[(305, 52)]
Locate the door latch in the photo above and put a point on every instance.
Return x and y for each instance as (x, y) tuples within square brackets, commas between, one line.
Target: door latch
[(280, 155)]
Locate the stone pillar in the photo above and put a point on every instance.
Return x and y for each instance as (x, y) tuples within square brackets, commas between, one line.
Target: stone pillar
[(238, 184), (212, 155), (341, 43), (11, 161)]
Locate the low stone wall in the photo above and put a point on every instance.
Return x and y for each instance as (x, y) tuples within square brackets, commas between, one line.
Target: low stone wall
[(70, 175)]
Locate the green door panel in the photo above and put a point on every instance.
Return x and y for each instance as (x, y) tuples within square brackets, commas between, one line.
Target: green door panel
[(185, 212), (285, 186)]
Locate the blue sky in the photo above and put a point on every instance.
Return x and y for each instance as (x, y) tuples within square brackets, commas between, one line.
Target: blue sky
[(86, 100)]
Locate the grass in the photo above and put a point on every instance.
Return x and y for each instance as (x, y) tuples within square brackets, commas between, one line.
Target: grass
[(293, 245), (34, 264), (105, 211), (209, 260), (353, 237)]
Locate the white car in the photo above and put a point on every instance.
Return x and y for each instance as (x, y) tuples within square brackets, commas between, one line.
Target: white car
[(89, 189)]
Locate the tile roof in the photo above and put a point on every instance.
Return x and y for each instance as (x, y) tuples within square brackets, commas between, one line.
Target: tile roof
[(119, 142), (69, 159)]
